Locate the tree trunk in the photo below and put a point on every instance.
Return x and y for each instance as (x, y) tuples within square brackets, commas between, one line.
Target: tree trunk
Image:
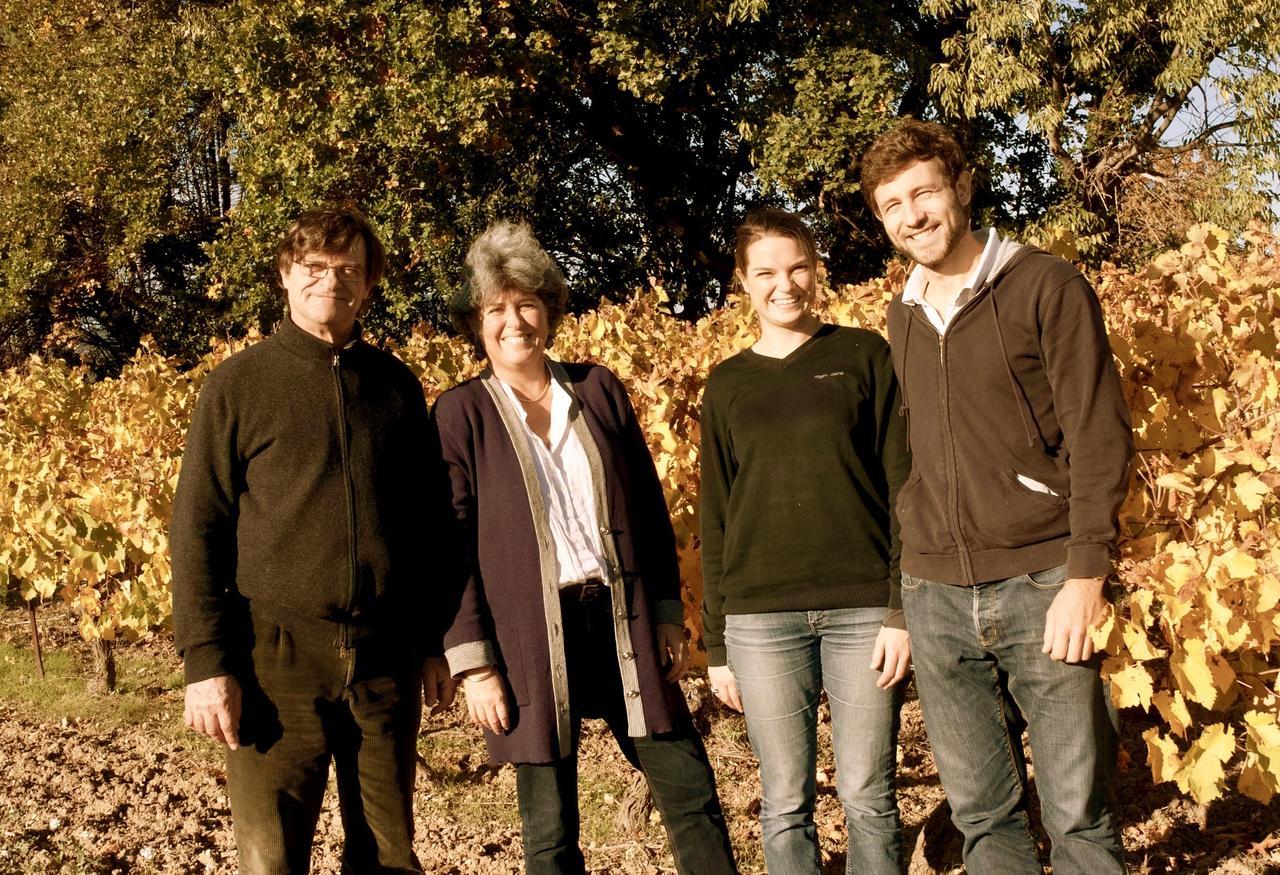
[(104, 667), (35, 640)]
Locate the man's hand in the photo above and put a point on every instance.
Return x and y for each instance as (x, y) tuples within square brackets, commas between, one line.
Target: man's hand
[(673, 650), (438, 685), (213, 709), (891, 657), (724, 686), (486, 696), (1076, 607)]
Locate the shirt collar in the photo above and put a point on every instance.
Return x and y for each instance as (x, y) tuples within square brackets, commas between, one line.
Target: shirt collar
[(913, 291)]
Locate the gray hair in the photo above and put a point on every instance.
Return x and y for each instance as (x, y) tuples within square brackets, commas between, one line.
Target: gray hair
[(506, 258)]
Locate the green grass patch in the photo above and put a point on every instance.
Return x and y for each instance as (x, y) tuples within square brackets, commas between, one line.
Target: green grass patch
[(146, 689)]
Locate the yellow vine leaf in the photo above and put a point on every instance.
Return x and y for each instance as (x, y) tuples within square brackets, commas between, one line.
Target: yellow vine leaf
[(1177, 481), (1105, 634), (1138, 644), (1162, 756), (1173, 708), (1260, 777), (1203, 774), (1201, 675), (1238, 564), (1268, 593), (1131, 683), (1251, 491)]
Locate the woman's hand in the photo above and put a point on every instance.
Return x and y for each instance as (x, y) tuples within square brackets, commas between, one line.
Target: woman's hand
[(892, 656), (673, 650), (724, 686), (487, 699)]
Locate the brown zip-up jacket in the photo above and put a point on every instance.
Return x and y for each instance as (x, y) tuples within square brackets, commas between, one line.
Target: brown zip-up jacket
[(1021, 383)]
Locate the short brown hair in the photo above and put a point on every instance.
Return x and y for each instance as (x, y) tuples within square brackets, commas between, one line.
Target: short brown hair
[(507, 257), (772, 222), (908, 141), (332, 229)]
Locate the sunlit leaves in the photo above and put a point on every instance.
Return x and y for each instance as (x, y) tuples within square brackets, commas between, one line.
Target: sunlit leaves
[(88, 469), (1196, 341)]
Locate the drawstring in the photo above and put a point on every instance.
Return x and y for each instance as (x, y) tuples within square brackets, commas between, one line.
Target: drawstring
[(904, 409), (1019, 399)]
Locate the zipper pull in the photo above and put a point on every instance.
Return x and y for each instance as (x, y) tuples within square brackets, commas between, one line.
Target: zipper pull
[(335, 359)]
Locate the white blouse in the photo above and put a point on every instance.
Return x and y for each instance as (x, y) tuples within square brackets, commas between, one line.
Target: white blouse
[(568, 494)]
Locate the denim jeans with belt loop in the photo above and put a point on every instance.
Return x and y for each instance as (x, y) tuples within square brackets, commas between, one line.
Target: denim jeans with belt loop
[(981, 676), (782, 661)]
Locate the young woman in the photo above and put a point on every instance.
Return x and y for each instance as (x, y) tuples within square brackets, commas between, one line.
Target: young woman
[(803, 452), (571, 605)]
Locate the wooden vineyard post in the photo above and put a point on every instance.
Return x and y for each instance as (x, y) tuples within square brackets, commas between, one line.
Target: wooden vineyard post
[(35, 640)]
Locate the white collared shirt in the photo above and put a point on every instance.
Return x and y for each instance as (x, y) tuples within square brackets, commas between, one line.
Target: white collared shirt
[(564, 476), (913, 291)]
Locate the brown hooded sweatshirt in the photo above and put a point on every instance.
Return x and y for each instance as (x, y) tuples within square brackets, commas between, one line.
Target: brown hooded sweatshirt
[(1020, 388)]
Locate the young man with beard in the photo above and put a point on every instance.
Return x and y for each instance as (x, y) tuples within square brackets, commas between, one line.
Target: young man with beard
[(1021, 447)]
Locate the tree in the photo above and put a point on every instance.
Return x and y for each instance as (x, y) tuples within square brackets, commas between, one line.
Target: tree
[(1136, 100), (115, 177), (629, 134)]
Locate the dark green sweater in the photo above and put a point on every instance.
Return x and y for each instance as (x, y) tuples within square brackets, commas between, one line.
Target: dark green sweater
[(304, 491), (802, 458)]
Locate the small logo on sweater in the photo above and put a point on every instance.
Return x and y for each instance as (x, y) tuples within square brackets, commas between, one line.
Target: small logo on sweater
[(825, 376)]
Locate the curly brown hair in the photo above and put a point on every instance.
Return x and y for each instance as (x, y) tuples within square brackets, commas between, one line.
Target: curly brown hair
[(908, 141)]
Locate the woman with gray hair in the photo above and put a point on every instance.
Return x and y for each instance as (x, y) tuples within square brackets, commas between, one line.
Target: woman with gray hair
[(571, 602)]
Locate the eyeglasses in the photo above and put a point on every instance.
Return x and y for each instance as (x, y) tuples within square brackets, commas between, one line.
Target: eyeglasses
[(347, 274)]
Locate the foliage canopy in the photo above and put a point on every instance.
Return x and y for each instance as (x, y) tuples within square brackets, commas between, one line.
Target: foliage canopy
[(152, 152)]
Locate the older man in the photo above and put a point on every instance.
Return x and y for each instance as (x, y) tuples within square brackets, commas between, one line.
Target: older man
[(298, 576)]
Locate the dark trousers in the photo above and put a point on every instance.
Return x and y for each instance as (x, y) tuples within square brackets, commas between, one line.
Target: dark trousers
[(674, 764), (305, 705)]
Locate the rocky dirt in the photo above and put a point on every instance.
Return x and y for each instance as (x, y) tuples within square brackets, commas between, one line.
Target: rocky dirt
[(93, 795)]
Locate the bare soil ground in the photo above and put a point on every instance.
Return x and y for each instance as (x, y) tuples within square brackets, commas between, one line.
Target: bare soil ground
[(113, 784)]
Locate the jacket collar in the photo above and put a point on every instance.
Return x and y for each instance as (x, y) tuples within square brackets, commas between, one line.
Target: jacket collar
[(305, 345)]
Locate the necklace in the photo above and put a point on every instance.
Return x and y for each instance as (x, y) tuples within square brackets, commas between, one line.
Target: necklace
[(541, 394)]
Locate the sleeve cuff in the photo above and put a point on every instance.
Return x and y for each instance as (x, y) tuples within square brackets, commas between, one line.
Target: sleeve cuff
[(203, 662), (716, 655), (1089, 560), (895, 619), (669, 611), (474, 654)]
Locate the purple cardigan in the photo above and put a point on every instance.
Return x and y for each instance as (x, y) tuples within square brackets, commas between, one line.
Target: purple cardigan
[(501, 616)]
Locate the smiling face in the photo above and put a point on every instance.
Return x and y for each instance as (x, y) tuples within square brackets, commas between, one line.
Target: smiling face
[(514, 328), (779, 280), (327, 291), (924, 213)]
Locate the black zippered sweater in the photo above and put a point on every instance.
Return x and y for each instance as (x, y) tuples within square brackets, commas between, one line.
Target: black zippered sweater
[(303, 490), (1022, 383)]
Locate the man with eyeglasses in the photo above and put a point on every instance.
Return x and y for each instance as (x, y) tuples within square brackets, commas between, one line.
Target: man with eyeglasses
[(299, 594)]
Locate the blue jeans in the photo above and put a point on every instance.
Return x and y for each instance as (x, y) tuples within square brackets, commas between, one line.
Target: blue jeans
[(982, 679), (782, 662)]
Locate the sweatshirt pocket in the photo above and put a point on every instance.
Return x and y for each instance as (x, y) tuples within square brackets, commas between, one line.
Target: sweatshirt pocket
[(1010, 514)]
